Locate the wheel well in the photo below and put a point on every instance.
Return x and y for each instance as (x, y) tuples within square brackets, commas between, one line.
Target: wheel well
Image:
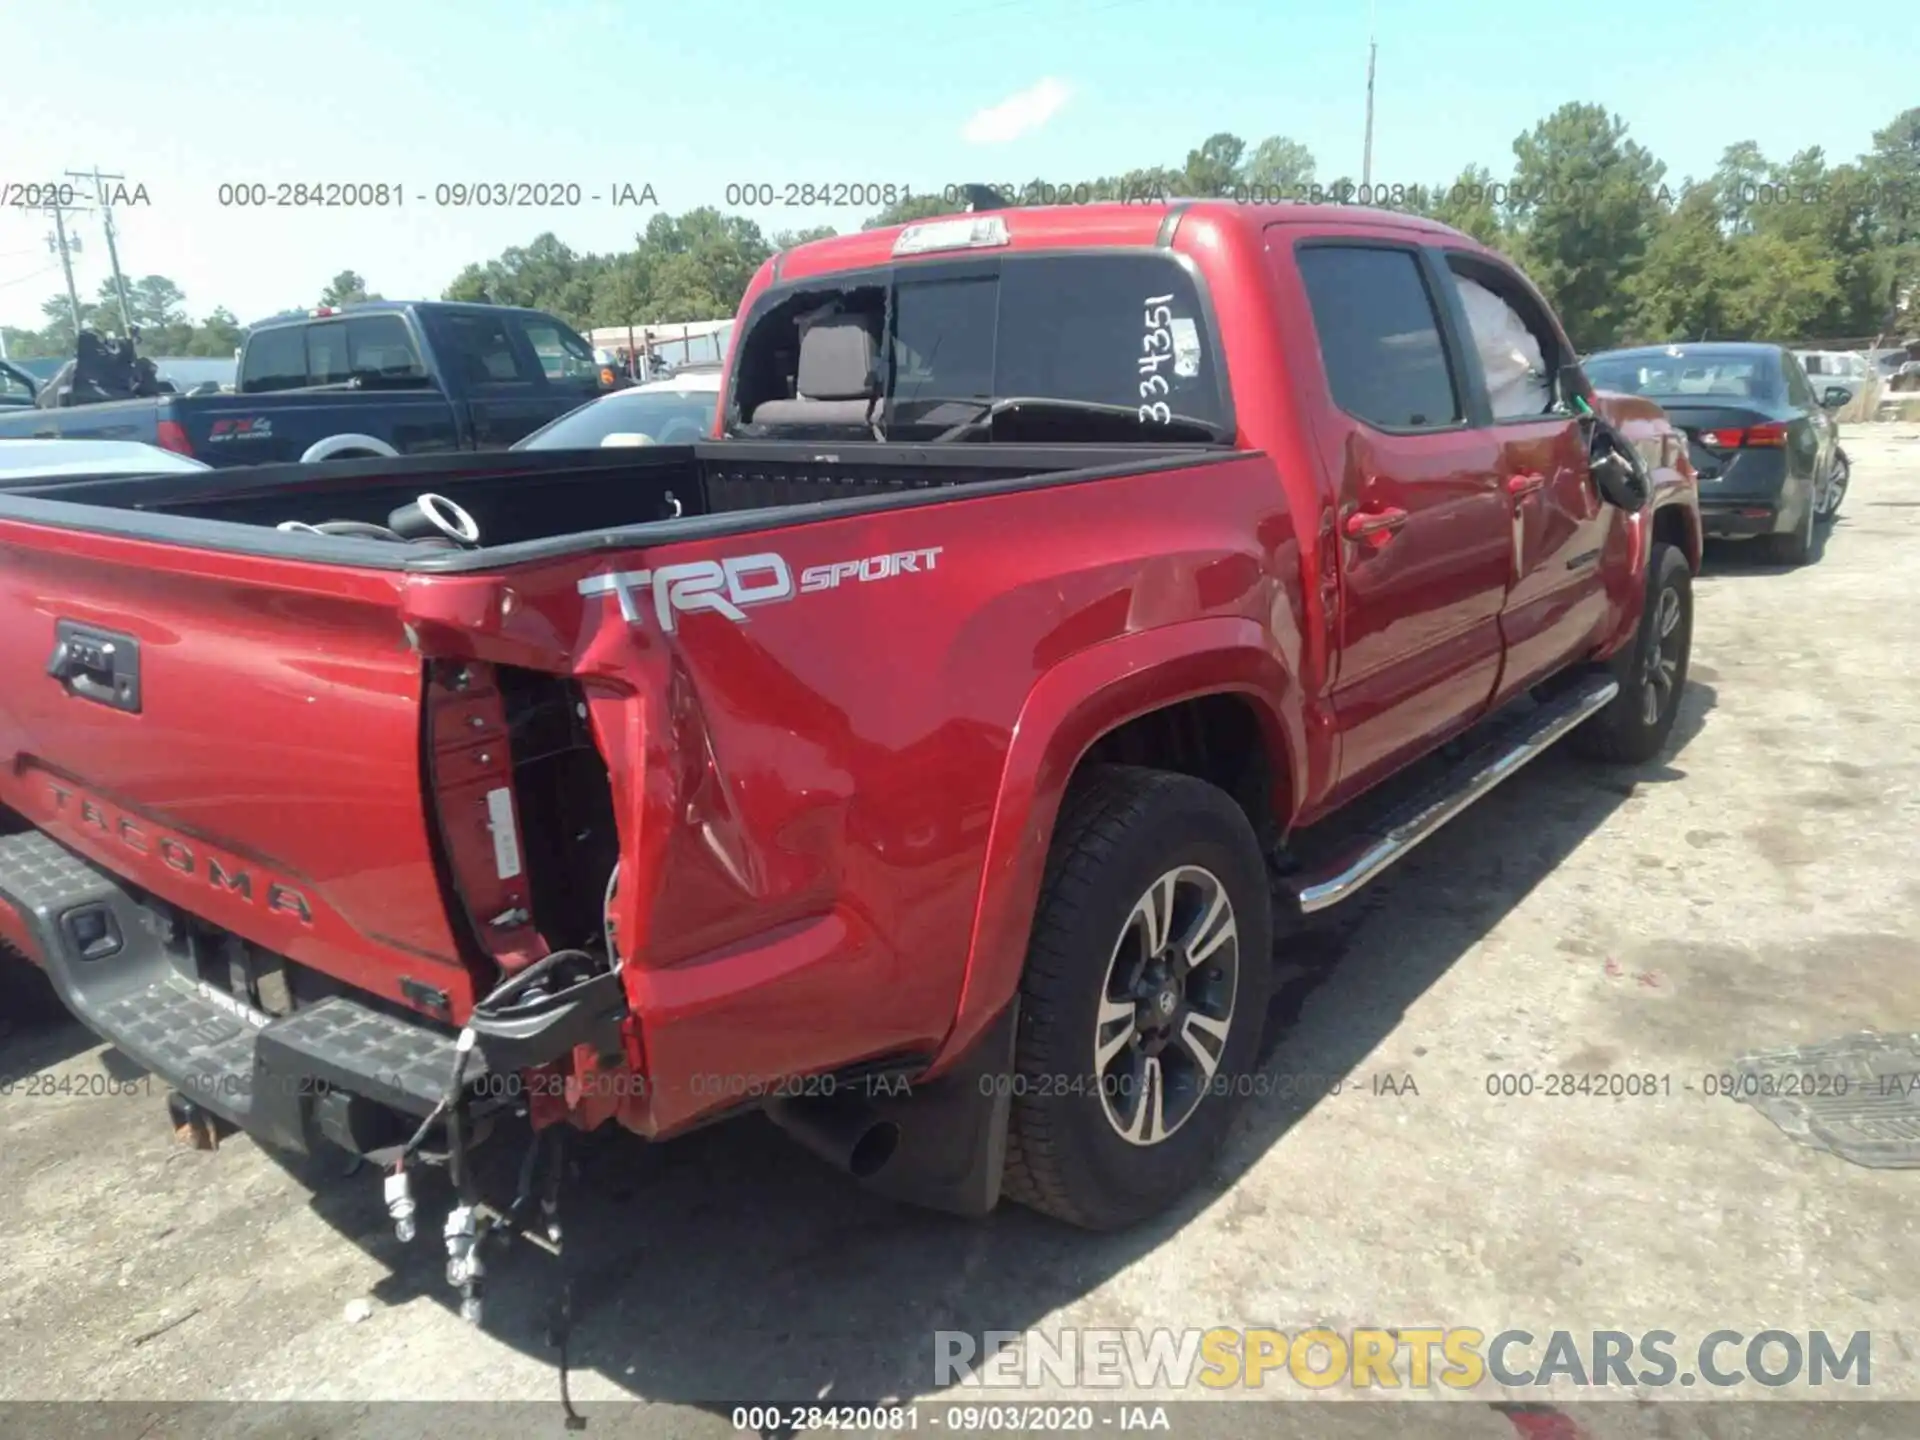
[(1216, 738), (1670, 527)]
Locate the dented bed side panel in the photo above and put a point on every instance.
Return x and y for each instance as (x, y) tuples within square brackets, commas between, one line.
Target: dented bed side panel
[(806, 731)]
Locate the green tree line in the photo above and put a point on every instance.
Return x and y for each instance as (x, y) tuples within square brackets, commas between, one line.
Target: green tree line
[(1794, 248)]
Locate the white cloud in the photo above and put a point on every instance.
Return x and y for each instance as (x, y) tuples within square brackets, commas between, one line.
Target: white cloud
[(1018, 114)]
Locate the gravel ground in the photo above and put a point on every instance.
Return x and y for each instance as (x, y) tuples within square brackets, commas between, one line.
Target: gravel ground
[(1758, 887)]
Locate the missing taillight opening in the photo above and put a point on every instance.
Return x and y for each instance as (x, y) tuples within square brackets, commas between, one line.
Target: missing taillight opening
[(524, 808)]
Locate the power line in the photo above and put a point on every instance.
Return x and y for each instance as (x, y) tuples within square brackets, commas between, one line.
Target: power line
[(48, 270)]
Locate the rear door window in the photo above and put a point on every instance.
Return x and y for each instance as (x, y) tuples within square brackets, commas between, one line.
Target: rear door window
[(382, 346), (1380, 336)]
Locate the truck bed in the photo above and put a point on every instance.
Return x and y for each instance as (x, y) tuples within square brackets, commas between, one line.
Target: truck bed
[(533, 505), (394, 773)]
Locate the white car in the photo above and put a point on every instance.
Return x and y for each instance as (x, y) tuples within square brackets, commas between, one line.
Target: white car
[(1836, 368), (675, 411), (33, 459)]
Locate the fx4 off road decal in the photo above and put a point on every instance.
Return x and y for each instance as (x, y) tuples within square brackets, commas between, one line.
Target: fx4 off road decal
[(259, 427), (729, 587)]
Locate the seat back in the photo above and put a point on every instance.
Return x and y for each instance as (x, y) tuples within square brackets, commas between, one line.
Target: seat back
[(837, 378)]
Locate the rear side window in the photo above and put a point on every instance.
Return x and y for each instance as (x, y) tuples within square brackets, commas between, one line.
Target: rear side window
[(274, 360), (1379, 336)]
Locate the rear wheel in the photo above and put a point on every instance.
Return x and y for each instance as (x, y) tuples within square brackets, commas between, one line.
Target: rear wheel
[(1796, 546), (1143, 999), (1836, 488), (1652, 671)]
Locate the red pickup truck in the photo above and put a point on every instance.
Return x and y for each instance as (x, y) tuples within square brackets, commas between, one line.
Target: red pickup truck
[(918, 760)]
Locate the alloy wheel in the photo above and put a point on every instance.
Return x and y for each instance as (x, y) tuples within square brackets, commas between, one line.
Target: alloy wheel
[(1166, 1006), (1836, 487), (1663, 658)]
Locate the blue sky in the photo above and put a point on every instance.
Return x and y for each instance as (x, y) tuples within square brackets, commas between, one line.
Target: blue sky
[(183, 95)]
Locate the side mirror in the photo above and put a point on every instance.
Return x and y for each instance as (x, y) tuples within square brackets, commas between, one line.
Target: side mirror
[(1835, 397), (1619, 474), (1569, 381)]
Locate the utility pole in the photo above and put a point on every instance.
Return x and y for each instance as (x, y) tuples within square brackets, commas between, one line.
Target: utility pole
[(67, 246), (1366, 154), (113, 251)]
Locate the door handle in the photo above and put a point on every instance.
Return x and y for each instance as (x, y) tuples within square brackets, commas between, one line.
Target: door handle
[(1525, 484), (1365, 523)]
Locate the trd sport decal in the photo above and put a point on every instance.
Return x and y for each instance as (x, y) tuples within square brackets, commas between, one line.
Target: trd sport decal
[(728, 587)]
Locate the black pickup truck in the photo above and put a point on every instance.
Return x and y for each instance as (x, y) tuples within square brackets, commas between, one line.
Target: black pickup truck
[(375, 379)]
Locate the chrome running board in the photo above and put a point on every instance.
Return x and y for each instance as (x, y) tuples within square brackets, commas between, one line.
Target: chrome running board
[(1500, 758)]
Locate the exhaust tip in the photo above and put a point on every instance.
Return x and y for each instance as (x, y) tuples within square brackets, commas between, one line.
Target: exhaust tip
[(873, 1149)]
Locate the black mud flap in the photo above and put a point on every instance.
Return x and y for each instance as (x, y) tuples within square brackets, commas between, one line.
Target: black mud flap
[(953, 1131)]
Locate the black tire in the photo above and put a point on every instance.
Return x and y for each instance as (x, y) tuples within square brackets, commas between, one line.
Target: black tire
[(1122, 832), (1623, 733), (1796, 546)]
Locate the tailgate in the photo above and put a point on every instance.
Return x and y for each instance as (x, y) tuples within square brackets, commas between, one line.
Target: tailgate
[(239, 737)]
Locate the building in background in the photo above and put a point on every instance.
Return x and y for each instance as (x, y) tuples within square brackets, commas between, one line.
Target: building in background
[(646, 351)]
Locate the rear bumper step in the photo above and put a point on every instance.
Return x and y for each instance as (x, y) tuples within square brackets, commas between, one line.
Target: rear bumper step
[(115, 963), (1499, 758)]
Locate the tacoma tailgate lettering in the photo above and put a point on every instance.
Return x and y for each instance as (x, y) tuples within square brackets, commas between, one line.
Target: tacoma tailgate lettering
[(223, 874)]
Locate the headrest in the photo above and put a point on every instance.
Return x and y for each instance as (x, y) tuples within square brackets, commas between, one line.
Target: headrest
[(837, 355)]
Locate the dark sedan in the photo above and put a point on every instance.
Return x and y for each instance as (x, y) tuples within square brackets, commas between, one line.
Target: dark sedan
[(1760, 435)]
